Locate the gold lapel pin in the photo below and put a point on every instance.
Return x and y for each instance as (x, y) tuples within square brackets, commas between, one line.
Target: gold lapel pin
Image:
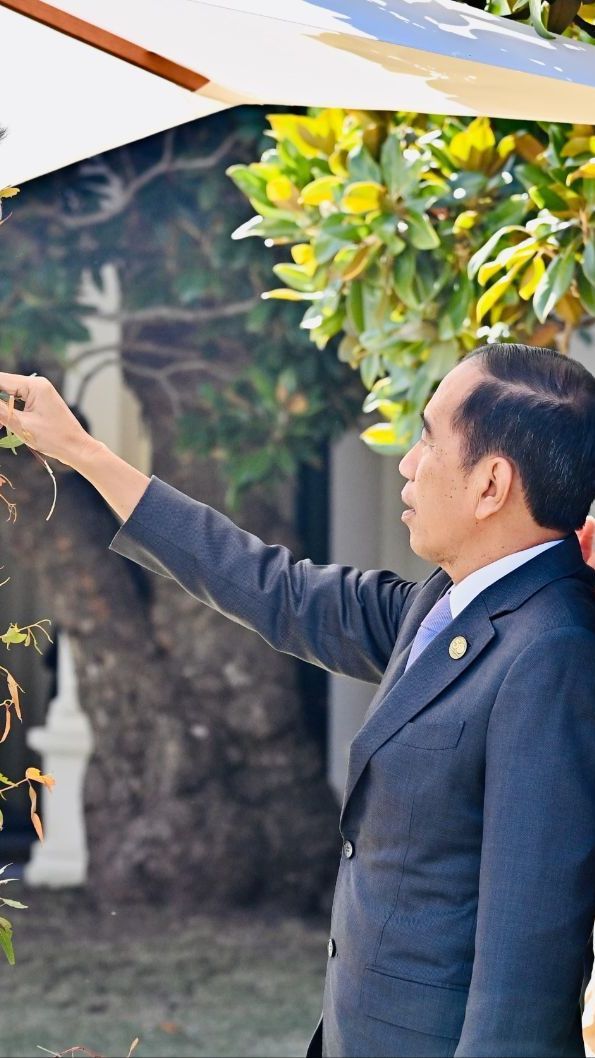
[(458, 647)]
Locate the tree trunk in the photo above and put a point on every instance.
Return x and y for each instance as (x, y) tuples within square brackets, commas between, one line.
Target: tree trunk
[(204, 787)]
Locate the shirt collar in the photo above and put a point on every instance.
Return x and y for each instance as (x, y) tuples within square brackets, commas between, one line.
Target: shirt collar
[(464, 592)]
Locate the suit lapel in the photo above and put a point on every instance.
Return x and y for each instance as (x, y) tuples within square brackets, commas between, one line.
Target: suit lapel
[(411, 691), (402, 695)]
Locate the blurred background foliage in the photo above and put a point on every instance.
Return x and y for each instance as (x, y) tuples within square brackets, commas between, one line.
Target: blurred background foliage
[(412, 238), (237, 374), (417, 237)]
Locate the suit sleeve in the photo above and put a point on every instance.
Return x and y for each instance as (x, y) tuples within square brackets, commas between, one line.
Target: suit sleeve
[(333, 616), (537, 875)]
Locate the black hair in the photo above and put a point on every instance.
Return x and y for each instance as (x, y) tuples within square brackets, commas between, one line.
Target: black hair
[(536, 407)]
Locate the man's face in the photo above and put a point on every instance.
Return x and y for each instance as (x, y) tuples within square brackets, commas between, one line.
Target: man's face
[(443, 499)]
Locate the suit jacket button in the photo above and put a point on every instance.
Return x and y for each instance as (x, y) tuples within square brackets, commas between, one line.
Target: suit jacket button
[(348, 849), (331, 948)]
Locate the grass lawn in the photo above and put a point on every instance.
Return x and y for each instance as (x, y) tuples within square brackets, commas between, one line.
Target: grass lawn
[(245, 984)]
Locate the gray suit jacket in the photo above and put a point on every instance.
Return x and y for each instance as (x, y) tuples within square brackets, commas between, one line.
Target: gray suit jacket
[(465, 898)]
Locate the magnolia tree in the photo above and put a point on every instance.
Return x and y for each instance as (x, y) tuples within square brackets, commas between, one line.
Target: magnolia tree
[(417, 237)]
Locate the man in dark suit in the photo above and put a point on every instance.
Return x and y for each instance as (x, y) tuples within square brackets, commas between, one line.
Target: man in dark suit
[(463, 912)]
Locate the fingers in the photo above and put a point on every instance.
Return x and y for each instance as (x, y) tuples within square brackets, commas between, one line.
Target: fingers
[(9, 417), (17, 385)]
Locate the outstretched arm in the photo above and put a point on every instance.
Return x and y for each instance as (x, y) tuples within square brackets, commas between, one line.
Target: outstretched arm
[(334, 616)]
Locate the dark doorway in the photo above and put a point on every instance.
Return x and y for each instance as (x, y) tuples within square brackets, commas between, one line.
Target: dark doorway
[(312, 523)]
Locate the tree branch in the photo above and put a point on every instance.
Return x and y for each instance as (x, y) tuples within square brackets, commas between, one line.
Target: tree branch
[(151, 349), (136, 369), (122, 196), (176, 314)]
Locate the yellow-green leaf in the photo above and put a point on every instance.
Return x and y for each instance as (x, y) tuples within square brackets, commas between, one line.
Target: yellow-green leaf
[(302, 253), (587, 170), (472, 148), (284, 294), (506, 146), (576, 145), (488, 270), (320, 190), (382, 437), (280, 189), (304, 256), (6, 940), (9, 192), (495, 292), (362, 196), (531, 278), (465, 221), (360, 260)]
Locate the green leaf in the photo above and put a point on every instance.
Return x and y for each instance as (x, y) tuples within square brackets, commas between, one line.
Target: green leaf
[(401, 379), (12, 903), (421, 233), (404, 274), (369, 369), (537, 20), (457, 307), (400, 174), (362, 166), (586, 293), (443, 357), (355, 306), (589, 260), (554, 283), (266, 228), (11, 440), (421, 387), (295, 277), (6, 940), (589, 191)]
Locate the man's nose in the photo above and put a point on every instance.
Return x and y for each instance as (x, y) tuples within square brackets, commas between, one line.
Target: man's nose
[(407, 464)]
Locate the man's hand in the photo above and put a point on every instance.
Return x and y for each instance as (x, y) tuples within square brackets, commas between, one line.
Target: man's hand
[(46, 423), (48, 426), (586, 537)]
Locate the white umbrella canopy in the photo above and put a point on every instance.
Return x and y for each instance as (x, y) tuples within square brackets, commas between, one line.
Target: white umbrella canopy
[(63, 100)]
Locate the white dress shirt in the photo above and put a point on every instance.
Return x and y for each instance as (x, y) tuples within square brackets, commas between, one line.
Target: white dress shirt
[(464, 592)]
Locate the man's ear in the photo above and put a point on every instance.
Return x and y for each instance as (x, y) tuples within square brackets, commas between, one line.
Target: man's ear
[(494, 486)]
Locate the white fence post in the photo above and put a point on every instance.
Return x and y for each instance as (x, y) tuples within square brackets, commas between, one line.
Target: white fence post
[(65, 744)]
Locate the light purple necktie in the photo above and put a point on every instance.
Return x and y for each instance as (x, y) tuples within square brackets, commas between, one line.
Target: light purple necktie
[(438, 618)]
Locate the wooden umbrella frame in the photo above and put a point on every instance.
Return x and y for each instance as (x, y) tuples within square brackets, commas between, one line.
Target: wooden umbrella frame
[(118, 47)]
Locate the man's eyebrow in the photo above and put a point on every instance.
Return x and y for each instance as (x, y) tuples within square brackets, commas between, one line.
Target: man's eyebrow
[(426, 424)]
